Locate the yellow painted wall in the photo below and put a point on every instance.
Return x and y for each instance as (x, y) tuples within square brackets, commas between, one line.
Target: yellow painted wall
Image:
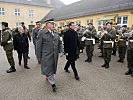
[(11, 18), (95, 18)]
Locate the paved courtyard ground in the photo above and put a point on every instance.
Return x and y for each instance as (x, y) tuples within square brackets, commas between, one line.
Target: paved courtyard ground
[(95, 83)]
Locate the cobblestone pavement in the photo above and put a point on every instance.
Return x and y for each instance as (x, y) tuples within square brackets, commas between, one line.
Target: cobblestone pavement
[(95, 83)]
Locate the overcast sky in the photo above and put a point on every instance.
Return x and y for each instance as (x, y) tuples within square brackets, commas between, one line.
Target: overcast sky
[(68, 1)]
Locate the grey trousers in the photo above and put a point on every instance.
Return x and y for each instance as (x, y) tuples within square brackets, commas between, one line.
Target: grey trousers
[(51, 79)]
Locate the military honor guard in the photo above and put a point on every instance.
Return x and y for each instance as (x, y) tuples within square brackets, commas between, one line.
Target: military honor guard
[(122, 46), (130, 55), (108, 43), (90, 34), (35, 32)]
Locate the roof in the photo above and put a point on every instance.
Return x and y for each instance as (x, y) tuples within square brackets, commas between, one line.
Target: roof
[(54, 3), (88, 7)]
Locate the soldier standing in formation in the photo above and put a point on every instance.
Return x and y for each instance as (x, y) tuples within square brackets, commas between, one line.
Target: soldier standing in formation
[(90, 34), (130, 55), (7, 44), (107, 45), (35, 32), (122, 44)]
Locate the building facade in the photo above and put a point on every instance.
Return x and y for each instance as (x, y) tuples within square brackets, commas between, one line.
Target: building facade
[(15, 11), (97, 12)]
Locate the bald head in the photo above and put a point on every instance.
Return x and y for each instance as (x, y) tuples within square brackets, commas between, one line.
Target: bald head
[(21, 29)]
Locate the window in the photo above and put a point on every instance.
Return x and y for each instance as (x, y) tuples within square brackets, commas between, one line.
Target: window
[(17, 12), (78, 22), (62, 24), (89, 21), (2, 11), (17, 24), (122, 20), (31, 13)]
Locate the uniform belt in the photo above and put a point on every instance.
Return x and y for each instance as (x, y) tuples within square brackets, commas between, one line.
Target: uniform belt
[(90, 39), (9, 41), (108, 41), (130, 40)]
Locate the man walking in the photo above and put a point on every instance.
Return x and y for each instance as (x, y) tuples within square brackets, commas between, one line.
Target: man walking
[(21, 45), (71, 43), (48, 47)]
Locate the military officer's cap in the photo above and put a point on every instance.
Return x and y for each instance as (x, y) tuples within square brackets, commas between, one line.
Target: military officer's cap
[(5, 24), (124, 26), (109, 23), (38, 22), (22, 22)]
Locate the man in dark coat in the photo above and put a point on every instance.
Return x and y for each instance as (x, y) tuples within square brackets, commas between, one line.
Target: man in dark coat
[(21, 45), (71, 43), (48, 47)]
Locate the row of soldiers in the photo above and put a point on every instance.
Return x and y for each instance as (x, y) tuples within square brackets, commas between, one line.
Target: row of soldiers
[(110, 38)]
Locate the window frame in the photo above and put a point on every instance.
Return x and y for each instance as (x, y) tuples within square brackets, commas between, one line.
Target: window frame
[(17, 12), (2, 11)]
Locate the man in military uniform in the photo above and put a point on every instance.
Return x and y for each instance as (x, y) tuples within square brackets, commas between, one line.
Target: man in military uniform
[(80, 36), (130, 55), (35, 34), (90, 34), (101, 41), (7, 44), (107, 45), (111, 30), (122, 44)]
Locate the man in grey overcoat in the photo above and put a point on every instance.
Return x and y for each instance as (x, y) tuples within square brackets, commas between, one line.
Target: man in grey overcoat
[(48, 48)]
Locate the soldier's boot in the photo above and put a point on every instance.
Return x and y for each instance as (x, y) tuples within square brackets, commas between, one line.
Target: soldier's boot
[(129, 72), (105, 63), (90, 60), (122, 60), (12, 69)]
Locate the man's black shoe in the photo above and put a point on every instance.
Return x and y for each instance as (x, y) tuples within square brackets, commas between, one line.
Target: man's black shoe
[(103, 65), (26, 67), (54, 87), (129, 72), (119, 60), (77, 77), (100, 56), (67, 70), (132, 74), (19, 63), (11, 70)]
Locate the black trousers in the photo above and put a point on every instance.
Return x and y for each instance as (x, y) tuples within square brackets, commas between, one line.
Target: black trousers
[(72, 63), (25, 57)]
